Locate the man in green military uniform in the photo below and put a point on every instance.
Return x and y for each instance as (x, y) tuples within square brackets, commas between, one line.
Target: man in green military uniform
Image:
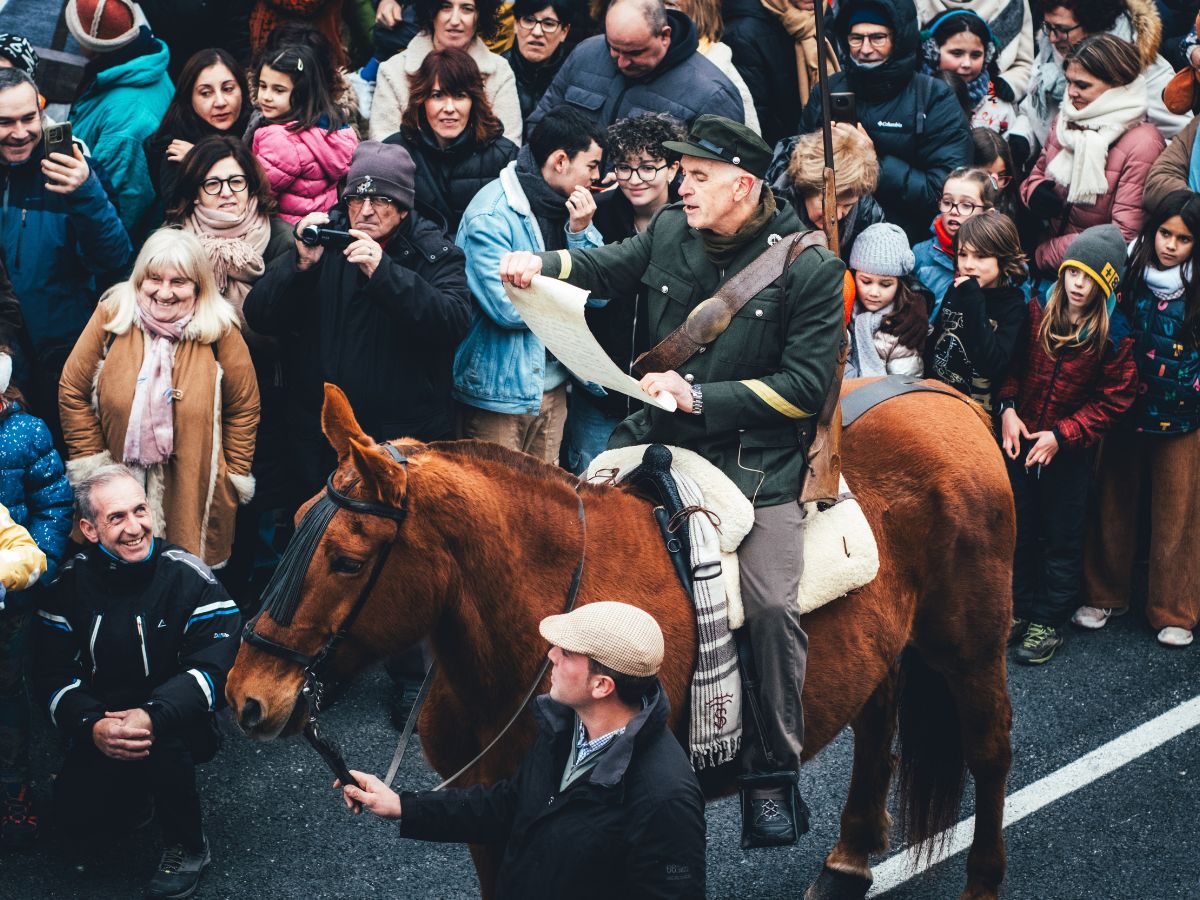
[(748, 401)]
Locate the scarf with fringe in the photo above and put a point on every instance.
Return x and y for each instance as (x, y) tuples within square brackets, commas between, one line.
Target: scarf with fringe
[(235, 245), (1086, 134), (150, 434)]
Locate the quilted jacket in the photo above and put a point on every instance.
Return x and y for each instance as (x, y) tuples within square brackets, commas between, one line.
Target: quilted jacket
[(304, 167)]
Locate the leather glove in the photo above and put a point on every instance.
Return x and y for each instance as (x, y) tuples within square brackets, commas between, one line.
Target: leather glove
[(1044, 202), (910, 325), (1020, 152)]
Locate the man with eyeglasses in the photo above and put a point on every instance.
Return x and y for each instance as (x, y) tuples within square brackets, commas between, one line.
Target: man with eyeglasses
[(540, 48), (914, 122), (376, 306), (62, 242), (1064, 24), (647, 59)]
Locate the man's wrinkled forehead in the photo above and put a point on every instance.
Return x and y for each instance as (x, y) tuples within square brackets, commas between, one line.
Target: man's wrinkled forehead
[(697, 165)]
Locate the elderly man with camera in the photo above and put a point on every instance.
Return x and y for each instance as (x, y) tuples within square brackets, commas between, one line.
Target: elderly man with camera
[(374, 299)]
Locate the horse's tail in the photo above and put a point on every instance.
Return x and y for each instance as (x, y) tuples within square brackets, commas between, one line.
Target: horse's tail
[(932, 771)]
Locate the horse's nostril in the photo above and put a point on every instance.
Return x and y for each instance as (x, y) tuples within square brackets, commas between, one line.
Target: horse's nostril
[(251, 713)]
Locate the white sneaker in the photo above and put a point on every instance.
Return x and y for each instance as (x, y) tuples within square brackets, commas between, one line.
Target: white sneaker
[(1093, 618), (1174, 637)]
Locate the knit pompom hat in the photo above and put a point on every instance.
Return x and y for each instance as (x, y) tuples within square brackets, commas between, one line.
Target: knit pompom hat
[(883, 249), (102, 26)]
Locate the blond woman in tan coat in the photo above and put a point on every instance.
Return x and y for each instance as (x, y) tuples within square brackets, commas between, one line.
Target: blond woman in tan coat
[(161, 380)]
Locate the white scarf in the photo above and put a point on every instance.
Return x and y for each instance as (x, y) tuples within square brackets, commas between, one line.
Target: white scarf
[(865, 360), (1167, 284), (1086, 134)]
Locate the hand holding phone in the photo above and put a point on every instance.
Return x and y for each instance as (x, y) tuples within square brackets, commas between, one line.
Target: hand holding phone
[(843, 107), (64, 166)]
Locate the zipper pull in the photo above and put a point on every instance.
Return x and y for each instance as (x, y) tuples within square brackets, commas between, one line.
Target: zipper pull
[(142, 640)]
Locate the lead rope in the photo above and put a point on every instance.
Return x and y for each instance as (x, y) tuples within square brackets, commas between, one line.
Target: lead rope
[(411, 721)]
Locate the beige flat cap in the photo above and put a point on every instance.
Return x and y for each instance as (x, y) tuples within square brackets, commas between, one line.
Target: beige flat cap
[(617, 635)]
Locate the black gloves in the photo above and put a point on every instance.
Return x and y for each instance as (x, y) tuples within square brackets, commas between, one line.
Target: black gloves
[(910, 325), (1044, 202), (1020, 153), (1003, 90)]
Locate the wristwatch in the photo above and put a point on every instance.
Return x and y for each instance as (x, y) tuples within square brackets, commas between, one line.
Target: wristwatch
[(697, 400)]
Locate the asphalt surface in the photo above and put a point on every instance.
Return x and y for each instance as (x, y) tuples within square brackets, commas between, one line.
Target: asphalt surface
[(277, 830)]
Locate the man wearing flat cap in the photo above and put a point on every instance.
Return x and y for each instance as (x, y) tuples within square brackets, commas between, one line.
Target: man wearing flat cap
[(378, 313), (747, 398), (605, 805)]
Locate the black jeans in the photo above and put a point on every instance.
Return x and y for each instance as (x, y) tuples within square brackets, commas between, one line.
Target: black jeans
[(1051, 503), (94, 792)]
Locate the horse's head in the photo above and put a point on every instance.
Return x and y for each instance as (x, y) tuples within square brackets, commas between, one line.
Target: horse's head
[(357, 583)]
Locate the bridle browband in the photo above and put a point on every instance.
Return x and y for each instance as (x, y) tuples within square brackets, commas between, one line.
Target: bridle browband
[(282, 595)]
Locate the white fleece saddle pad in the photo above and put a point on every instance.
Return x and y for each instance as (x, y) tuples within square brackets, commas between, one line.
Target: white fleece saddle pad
[(840, 552)]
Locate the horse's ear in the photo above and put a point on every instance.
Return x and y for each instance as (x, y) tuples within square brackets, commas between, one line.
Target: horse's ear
[(380, 472), (339, 424)]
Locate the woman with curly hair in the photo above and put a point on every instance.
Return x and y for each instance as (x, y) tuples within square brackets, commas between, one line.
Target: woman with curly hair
[(452, 134), (448, 24)]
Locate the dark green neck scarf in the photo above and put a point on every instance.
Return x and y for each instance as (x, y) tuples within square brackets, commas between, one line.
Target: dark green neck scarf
[(722, 248)]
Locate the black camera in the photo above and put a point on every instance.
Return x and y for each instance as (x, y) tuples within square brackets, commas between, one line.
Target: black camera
[(321, 236)]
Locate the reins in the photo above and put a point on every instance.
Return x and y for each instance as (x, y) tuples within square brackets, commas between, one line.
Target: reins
[(282, 596)]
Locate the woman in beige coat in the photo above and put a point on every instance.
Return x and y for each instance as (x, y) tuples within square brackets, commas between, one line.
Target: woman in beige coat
[(161, 380)]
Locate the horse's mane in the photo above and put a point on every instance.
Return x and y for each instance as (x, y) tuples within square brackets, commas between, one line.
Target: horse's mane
[(513, 459)]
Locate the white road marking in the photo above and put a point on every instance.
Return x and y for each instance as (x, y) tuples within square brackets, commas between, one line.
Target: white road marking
[(1095, 765)]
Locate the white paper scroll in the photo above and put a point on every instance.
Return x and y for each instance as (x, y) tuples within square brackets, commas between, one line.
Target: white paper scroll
[(553, 310)]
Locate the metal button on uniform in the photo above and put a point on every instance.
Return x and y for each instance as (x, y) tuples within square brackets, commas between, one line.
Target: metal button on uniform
[(702, 349), (664, 289), (758, 313), (432, 257)]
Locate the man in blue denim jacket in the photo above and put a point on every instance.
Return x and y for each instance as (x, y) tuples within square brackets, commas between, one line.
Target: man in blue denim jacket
[(511, 390)]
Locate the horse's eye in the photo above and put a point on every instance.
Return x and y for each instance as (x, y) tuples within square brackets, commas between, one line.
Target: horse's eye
[(347, 565)]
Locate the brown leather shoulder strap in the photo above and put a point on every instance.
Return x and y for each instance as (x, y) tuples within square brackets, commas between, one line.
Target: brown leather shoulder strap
[(709, 319)]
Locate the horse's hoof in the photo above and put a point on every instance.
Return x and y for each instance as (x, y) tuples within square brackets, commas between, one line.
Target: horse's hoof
[(835, 885)]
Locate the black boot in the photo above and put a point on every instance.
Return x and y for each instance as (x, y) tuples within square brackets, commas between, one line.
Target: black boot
[(773, 814)]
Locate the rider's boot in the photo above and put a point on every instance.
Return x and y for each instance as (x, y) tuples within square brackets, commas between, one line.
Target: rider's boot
[(773, 813)]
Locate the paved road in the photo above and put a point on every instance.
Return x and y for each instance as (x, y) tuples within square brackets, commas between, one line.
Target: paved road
[(277, 831)]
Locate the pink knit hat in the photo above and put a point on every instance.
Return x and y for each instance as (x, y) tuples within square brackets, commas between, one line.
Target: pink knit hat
[(102, 26)]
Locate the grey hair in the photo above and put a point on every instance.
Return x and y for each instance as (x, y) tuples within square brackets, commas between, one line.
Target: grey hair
[(653, 11), (14, 77), (102, 476)]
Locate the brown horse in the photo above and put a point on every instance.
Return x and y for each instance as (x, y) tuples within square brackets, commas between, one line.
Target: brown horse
[(489, 546)]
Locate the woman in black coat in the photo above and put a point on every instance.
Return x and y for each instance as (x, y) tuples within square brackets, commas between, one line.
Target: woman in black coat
[(211, 97), (453, 136)]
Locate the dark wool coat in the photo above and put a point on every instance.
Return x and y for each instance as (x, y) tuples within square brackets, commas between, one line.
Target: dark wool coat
[(685, 84), (448, 179), (160, 634), (632, 827), (919, 130), (764, 379), (759, 44), (387, 341), (1079, 396)]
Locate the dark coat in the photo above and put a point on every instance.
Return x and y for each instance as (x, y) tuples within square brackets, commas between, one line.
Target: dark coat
[(760, 46), (448, 179), (34, 489), (1079, 396), (919, 130), (1168, 364), (160, 634), (388, 342), (632, 827), (533, 78), (763, 380), (685, 84)]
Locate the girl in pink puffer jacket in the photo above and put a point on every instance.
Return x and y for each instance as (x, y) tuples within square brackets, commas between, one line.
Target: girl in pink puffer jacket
[(303, 144)]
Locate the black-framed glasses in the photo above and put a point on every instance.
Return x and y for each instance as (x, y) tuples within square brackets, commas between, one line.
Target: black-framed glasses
[(1058, 31), (645, 171), (377, 200), (212, 186), (549, 26), (876, 39), (960, 207)]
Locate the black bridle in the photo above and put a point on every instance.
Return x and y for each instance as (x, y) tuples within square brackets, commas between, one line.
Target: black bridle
[(282, 595)]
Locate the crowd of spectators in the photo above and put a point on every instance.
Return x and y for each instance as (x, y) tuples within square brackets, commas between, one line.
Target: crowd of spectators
[(261, 196)]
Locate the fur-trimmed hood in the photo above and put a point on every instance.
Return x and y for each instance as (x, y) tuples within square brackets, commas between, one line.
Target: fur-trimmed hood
[(1147, 28)]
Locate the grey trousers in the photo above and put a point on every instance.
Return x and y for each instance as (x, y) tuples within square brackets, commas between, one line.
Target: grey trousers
[(771, 560)]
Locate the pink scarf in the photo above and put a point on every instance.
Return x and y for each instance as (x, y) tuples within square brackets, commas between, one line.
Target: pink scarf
[(235, 244), (150, 434)]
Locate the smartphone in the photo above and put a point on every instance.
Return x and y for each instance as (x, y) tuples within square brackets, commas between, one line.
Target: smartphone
[(842, 107), (57, 139)]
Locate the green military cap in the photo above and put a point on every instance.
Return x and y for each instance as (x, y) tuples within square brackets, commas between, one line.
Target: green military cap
[(715, 137)]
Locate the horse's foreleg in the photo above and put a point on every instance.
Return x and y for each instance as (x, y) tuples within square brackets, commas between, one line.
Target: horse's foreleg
[(985, 719), (865, 819), (487, 859)]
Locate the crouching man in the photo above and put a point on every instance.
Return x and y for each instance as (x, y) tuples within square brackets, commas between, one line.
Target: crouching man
[(605, 805), (135, 639)]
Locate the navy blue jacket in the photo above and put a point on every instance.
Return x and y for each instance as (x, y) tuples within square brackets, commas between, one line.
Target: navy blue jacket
[(34, 488), (1168, 364), (56, 246), (685, 84)]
